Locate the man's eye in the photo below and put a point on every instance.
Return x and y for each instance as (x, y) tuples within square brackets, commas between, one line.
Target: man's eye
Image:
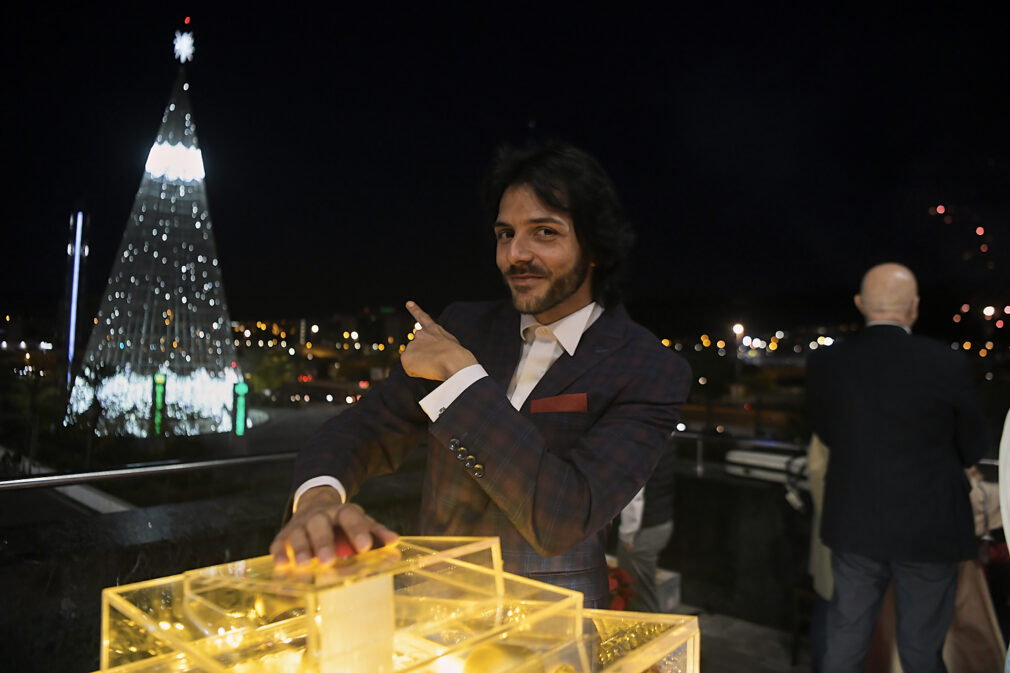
[(546, 232), (503, 234)]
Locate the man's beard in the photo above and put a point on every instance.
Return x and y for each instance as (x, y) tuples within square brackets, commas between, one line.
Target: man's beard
[(560, 288)]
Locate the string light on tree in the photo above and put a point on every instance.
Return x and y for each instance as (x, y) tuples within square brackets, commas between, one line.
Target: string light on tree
[(184, 46)]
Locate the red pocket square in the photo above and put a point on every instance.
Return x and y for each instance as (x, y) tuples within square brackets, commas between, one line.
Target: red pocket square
[(570, 402)]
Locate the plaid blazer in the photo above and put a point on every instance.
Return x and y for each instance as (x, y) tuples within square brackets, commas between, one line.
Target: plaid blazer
[(546, 479)]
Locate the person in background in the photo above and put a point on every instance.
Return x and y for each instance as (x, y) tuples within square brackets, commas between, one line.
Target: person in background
[(820, 555), (1004, 487), (644, 531), (902, 420)]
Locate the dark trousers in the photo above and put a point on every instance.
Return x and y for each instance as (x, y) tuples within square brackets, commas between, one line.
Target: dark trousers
[(818, 632), (641, 561), (924, 606)]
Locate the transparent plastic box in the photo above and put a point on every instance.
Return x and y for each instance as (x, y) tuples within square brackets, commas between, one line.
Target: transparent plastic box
[(434, 605)]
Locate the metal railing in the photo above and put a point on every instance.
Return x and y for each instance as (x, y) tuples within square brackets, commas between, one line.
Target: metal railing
[(701, 439), (145, 469), (159, 468)]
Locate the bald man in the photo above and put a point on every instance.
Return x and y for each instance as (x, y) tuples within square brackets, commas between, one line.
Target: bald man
[(903, 420)]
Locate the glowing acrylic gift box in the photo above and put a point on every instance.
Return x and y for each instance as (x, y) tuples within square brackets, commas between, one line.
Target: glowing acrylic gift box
[(433, 605)]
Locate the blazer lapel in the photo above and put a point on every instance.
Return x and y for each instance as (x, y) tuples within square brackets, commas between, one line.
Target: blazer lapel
[(503, 346), (604, 337)]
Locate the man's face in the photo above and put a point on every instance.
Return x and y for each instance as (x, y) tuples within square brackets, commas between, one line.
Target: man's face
[(540, 257)]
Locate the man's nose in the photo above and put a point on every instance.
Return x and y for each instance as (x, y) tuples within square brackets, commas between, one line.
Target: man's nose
[(519, 250)]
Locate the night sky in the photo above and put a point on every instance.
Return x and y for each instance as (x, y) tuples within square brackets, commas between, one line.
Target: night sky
[(767, 158)]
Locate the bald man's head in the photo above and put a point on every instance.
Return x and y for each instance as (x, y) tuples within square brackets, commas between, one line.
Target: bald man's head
[(889, 292)]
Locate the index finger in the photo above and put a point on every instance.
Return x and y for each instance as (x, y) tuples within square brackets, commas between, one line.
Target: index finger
[(420, 316)]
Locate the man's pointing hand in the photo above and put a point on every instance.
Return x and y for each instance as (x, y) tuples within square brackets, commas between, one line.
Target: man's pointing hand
[(434, 353)]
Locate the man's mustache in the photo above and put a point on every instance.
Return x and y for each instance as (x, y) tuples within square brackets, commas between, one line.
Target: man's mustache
[(525, 270)]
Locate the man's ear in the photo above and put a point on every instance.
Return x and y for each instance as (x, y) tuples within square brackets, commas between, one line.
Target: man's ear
[(858, 301)]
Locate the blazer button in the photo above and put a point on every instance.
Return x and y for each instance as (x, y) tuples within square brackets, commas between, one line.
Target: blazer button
[(461, 453), (478, 470), (469, 462), (454, 444)]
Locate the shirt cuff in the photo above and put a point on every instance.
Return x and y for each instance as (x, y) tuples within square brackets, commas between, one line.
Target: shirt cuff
[(435, 402), (319, 481)]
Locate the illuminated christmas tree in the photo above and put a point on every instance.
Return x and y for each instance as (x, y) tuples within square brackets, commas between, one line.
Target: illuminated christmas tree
[(160, 359)]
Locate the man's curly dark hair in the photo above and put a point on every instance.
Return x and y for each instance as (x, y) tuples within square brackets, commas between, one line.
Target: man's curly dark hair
[(570, 180)]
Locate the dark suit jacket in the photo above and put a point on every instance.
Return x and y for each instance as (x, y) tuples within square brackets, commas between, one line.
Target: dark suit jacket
[(901, 418), (546, 479)]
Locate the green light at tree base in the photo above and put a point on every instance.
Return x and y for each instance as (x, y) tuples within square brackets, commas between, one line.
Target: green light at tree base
[(241, 388), (159, 403)]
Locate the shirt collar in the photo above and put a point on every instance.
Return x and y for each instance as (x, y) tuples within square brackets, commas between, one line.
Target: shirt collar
[(568, 330), (874, 323)]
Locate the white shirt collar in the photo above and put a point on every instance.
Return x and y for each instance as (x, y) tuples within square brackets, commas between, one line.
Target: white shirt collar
[(568, 330), (874, 323)]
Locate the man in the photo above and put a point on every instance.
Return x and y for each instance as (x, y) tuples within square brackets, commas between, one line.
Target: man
[(543, 417), (902, 419)]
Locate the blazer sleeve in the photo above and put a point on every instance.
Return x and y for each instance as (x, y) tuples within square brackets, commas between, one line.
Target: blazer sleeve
[(971, 432), (556, 499), (369, 439)]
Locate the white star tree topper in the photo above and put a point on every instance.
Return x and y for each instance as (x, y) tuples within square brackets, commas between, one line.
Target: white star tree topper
[(184, 47)]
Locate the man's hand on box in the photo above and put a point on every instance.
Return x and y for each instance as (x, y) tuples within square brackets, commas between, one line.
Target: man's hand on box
[(325, 528)]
